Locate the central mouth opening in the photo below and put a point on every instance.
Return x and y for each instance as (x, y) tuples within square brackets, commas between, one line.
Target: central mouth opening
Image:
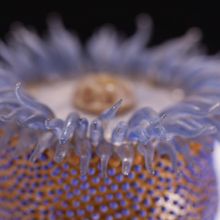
[(92, 93), (97, 92)]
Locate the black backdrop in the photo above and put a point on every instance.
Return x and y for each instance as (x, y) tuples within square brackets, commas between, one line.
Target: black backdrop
[(170, 18)]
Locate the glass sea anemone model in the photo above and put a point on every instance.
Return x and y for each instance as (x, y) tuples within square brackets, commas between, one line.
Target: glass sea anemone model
[(95, 149)]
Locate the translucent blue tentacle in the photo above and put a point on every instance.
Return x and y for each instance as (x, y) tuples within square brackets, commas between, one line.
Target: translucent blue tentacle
[(104, 150), (111, 112), (69, 127), (148, 151), (126, 154), (96, 132), (165, 148), (45, 142), (30, 103), (119, 133)]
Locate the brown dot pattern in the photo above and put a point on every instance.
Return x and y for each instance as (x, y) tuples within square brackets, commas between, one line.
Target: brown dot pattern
[(49, 190)]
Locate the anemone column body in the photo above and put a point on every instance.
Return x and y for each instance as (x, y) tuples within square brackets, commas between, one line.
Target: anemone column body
[(49, 190)]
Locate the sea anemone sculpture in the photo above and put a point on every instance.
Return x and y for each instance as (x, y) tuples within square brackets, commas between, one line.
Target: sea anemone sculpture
[(111, 157)]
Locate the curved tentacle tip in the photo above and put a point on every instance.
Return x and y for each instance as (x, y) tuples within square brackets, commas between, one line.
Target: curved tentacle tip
[(18, 92), (54, 20), (111, 112), (144, 22), (194, 33), (214, 109), (29, 102), (17, 86)]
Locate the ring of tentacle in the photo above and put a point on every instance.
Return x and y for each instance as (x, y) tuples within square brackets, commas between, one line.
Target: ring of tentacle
[(178, 63)]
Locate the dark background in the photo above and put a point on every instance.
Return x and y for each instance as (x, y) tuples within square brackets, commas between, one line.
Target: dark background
[(171, 19)]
